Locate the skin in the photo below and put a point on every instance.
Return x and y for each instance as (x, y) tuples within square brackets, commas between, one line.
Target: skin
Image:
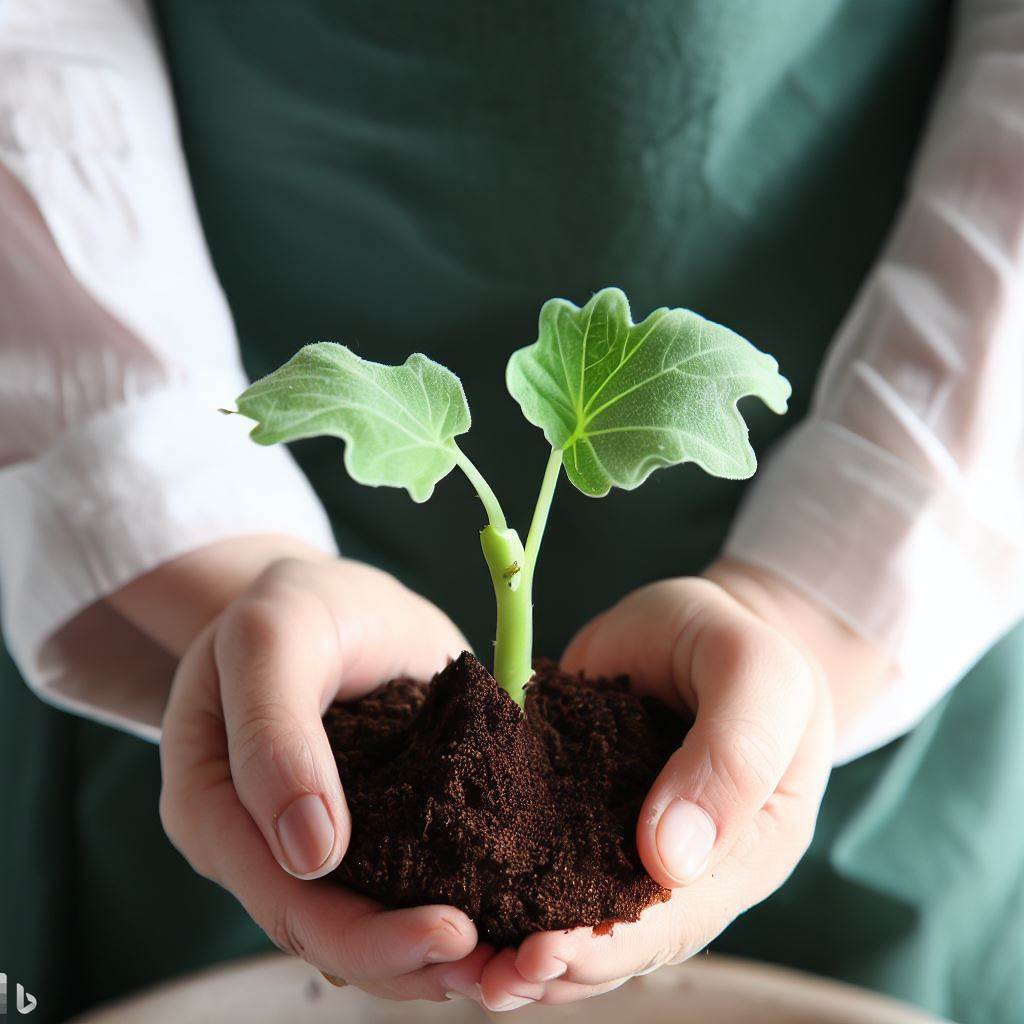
[(734, 647), (269, 631)]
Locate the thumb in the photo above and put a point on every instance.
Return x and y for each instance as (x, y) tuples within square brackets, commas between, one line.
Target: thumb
[(273, 660), (282, 652), (754, 695), (693, 646)]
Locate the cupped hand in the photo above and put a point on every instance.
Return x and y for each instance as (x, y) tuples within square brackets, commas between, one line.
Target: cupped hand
[(734, 808), (251, 794)]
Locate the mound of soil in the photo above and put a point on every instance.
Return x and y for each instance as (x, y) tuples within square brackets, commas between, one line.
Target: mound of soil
[(525, 822)]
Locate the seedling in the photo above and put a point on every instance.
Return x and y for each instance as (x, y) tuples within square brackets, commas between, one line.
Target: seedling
[(615, 400)]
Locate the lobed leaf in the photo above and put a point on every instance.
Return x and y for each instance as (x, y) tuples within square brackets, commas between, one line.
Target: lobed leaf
[(398, 422), (622, 399)]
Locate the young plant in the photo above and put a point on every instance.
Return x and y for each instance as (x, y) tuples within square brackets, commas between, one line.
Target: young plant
[(615, 400)]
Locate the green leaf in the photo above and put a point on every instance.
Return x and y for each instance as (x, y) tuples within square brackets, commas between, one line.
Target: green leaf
[(398, 422), (622, 400)]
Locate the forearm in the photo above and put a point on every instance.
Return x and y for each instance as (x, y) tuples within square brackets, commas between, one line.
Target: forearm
[(174, 602), (116, 349)]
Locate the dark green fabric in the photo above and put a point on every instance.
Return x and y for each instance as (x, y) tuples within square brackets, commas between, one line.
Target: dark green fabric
[(406, 176), (94, 900)]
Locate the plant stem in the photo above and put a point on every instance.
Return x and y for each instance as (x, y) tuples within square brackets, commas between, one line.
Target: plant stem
[(513, 640), (541, 510), (512, 570), (492, 506)]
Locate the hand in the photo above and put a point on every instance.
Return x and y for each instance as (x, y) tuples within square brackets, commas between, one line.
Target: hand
[(251, 793), (734, 808)]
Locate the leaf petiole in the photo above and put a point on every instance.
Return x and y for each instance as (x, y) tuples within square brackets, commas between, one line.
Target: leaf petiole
[(541, 510), (495, 515)]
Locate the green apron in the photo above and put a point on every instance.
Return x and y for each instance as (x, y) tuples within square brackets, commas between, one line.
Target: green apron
[(408, 177)]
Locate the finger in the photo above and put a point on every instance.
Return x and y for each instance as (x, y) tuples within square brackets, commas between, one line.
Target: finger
[(411, 638), (754, 693), (282, 652), (277, 653), (576, 656), (580, 957), (561, 992), (638, 637), (457, 980), (784, 827), (695, 648), (340, 933), (504, 988), (343, 934)]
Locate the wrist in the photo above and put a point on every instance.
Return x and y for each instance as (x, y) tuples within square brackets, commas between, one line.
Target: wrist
[(854, 671), (174, 602)]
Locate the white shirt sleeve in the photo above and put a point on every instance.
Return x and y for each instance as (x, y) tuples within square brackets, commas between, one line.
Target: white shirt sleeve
[(116, 349), (899, 502)]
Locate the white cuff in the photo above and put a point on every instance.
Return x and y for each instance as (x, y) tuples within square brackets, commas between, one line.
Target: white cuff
[(903, 560), (117, 496)]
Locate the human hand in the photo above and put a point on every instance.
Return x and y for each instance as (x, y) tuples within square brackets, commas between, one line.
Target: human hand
[(251, 794), (734, 808)]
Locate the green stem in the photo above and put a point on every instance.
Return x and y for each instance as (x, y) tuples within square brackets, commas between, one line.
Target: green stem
[(503, 551), (512, 570), (513, 640), (492, 506)]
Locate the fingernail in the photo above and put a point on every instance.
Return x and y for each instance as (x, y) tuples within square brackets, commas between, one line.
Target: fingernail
[(336, 982), (306, 834), (507, 1003), (437, 949), (648, 970), (437, 956), (685, 836), (457, 988), (556, 972)]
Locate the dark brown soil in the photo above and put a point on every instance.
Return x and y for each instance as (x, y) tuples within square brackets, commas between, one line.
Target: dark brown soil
[(525, 823)]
